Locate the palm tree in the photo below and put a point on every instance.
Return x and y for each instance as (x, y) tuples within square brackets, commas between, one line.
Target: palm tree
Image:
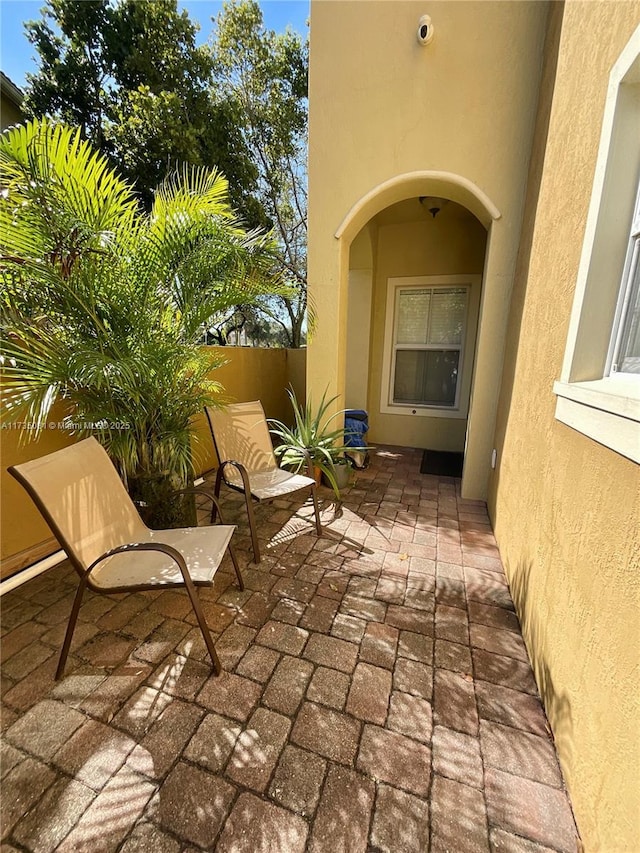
[(103, 306)]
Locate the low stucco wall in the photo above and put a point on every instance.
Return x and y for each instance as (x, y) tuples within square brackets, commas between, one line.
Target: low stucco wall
[(565, 509), (24, 535), (249, 374), (252, 373)]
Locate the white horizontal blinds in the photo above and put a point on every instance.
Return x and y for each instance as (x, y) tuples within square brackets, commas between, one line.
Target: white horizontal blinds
[(448, 309), (429, 334), (413, 316)]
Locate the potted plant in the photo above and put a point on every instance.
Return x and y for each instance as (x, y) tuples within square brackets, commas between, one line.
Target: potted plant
[(311, 434), (103, 305), (342, 470)]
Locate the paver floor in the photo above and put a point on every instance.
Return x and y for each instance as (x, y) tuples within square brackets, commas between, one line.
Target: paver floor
[(376, 694)]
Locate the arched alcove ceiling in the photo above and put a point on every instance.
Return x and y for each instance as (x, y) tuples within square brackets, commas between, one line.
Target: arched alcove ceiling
[(414, 184)]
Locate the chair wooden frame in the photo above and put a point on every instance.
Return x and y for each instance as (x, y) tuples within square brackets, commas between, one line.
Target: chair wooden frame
[(130, 547), (245, 474)]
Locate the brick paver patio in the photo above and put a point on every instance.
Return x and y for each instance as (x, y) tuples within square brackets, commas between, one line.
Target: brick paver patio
[(377, 695)]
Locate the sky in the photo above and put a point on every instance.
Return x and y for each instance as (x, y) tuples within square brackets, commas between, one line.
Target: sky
[(17, 56)]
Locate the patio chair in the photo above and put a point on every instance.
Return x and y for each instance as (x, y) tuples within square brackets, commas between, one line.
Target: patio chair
[(248, 464), (82, 498)]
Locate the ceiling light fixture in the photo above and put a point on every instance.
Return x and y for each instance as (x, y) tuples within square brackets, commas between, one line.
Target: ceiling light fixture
[(433, 204)]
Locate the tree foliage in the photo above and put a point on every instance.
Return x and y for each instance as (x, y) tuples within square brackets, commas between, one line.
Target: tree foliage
[(245, 325), (103, 305), (264, 76), (131, 76)]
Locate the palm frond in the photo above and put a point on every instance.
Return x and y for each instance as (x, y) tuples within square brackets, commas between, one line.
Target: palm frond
[(102, 305)]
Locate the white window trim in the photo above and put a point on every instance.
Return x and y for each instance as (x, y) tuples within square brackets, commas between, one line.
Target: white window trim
[(460, 410), (604, 407)]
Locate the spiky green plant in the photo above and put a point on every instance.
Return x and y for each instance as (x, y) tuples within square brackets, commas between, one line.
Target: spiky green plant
[(103, 305), (312, 432)]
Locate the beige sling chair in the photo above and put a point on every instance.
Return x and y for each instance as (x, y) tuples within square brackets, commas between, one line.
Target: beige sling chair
[(247, 462), (82, 498)]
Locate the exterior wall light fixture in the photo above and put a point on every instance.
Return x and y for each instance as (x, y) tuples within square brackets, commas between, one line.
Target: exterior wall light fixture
[(433, 204), (425, 30)]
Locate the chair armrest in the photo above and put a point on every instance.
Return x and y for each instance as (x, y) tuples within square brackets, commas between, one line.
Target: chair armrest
[(146, 546), (241, 470), (309, 462)]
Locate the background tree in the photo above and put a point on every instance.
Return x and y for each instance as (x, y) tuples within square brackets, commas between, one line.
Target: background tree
[(264, 76), (131, 77), (71, 42), (245, 325)]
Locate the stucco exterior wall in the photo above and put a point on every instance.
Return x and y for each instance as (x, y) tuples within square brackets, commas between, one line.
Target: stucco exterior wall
[(24, 535), (382, 106), (250, 374), (10, 113), (566, 510)]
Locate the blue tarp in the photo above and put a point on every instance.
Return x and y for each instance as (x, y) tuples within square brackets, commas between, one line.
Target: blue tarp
[(356, 424)]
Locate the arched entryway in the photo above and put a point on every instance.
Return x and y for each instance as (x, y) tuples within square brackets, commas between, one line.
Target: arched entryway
[(415, 287)]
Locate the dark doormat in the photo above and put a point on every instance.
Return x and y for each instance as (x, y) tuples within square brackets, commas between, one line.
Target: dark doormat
[(442, 462)]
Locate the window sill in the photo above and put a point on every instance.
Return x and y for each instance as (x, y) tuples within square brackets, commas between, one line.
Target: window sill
[(607, 410), (417, 411)]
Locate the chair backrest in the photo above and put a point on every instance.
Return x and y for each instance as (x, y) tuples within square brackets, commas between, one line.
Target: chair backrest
[(79, 493), (240, 433)]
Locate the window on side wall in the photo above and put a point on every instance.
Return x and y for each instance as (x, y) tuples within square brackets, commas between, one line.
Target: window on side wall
[(430, 329), (625, 341), (599, 389)]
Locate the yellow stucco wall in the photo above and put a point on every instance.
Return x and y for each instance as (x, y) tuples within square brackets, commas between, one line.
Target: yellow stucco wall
[(10, 113), (382, 107), (566, 510), (250, 374), (21, 525)]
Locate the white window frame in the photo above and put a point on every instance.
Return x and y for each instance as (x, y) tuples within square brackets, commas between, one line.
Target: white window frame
[(467, 346), (591, 398), (628, 292)]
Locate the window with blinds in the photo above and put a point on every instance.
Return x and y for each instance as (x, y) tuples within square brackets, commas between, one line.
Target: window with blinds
[(427, 344)]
